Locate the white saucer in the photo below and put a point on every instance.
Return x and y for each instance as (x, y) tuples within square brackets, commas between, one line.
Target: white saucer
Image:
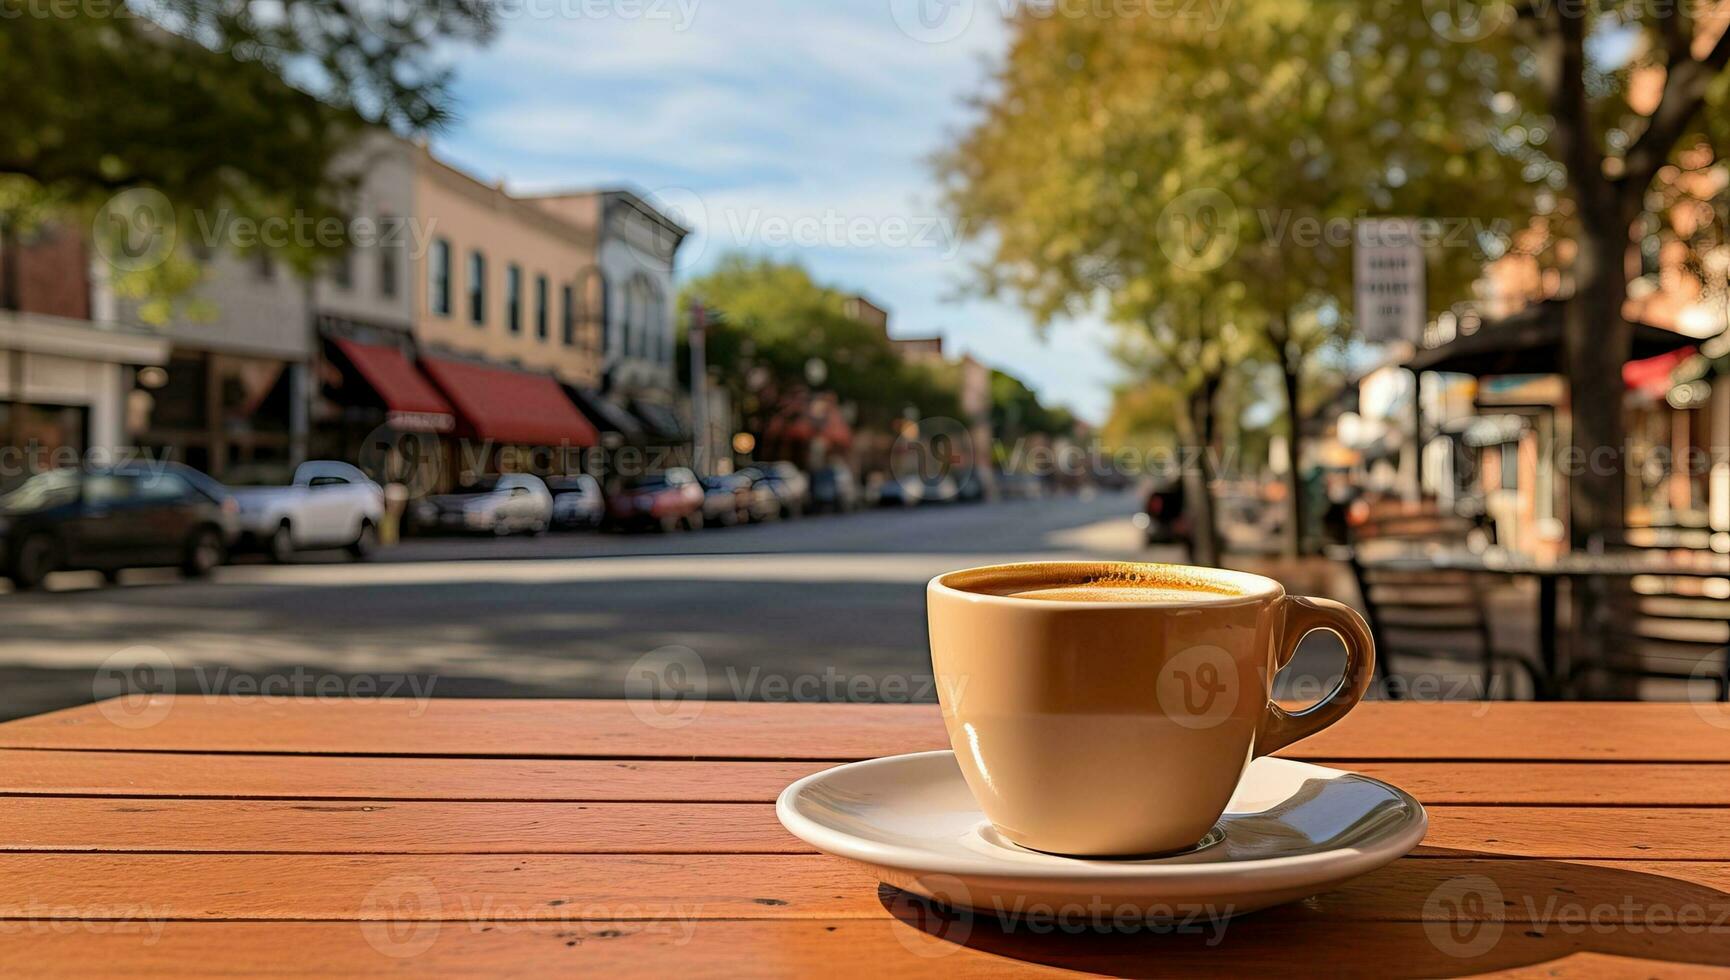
[(1292, 830)]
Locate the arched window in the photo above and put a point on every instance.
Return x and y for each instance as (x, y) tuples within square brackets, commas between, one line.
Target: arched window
[(594, 314)]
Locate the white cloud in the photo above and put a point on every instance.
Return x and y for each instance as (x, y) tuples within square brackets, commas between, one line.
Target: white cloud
[(796, 128)]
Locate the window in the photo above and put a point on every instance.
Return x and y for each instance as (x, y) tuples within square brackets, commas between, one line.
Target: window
[(107, 489), (541, 308), (642, 318), (608, 333), (658, 324), (163, 486), (439, 277), (264, 265), (514, 298), (568, 318), (477, 288), (632, 333), (387, 256), (342, 270)]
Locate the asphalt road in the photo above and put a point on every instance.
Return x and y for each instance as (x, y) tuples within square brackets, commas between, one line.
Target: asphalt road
[(818, 608)]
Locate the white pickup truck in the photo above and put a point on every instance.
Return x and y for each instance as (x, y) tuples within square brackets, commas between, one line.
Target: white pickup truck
[(330, 505)]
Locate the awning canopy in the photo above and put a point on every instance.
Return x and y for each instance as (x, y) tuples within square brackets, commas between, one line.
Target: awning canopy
[(1651, 376), (411, 403), (607, 415), (661, 421), (804, 424), (1529, 342), (510, 406)]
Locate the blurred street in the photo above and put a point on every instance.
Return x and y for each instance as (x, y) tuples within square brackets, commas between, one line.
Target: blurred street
[(836, 599)]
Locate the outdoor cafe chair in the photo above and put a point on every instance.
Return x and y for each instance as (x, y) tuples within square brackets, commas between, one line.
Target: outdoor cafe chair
[(1660, 627), (1436, 615)]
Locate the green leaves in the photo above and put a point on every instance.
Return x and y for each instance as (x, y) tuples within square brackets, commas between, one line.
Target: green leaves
[(217, 105), (770, 320)]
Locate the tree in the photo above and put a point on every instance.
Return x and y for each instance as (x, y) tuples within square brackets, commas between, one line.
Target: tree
[(1153, 168), (1017, 412), (1195, 350), (211, 104), (1607, 145), (772, 322)]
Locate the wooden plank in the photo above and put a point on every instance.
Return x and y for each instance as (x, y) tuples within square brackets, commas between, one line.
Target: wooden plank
[(473, 727), (1555, 783), (150, 774), (171, 825), (242, 776), (839, 948), (542, 888), (178, 825), (730, 730)]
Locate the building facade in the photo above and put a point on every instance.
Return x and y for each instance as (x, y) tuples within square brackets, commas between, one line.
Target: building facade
[(233, 401), (66, 368), (635, 245), (503, 279)]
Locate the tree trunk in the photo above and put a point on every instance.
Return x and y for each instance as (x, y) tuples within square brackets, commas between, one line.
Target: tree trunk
[(9, 301), (1197, 427), (1292, 540), (1598, 341)]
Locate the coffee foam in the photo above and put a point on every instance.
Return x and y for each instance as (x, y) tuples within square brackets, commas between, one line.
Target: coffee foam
[(1100, 582)]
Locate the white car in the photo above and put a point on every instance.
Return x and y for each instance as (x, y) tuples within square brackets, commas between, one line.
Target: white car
[(329, 505), (509, 504), (577, 501)]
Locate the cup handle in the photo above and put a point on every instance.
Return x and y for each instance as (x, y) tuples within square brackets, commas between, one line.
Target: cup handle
[(1303, 616)]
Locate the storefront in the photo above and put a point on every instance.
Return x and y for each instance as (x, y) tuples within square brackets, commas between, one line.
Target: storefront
[(64, 389), (376, 410), (1520, 435), (230, 415), (1677, 420), (507, 421), (809, 431)]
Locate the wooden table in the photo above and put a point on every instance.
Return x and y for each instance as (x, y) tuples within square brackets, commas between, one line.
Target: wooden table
[(587, 838), (1549, 572)]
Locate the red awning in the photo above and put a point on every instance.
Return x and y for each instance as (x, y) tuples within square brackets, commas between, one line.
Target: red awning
[(803, 423), (511, 406), (413, 404), (1652, 375)]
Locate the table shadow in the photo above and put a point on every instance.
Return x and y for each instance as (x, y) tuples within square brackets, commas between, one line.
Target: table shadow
[(1463, 915)]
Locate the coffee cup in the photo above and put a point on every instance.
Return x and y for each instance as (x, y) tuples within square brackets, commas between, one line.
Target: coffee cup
[(1110, 708)]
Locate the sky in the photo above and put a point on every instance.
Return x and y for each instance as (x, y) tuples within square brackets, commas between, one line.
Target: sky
[(799, 129)]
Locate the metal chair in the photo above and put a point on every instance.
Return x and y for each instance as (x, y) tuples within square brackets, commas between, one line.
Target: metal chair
[(1428, 614), (1663, 628)]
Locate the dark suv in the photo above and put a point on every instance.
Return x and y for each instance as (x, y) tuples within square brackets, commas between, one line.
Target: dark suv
[(139, 516)]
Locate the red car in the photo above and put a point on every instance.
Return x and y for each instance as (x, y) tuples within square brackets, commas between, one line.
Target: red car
[(667, 501)]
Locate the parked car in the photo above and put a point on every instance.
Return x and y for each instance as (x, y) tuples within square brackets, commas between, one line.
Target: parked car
[(1162, 518), (667, 501), (139, 516), (727, 500), (765, 501), (791, 487), (834, 489), (891, 492), (329, 505), (1020, 486), (510, 504), (577, 501)]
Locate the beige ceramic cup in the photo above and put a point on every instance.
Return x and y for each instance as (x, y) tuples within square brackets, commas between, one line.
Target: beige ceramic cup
[(1121, 728)]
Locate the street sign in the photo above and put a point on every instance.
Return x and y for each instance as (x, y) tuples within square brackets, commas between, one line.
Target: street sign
[(1388, 280)]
